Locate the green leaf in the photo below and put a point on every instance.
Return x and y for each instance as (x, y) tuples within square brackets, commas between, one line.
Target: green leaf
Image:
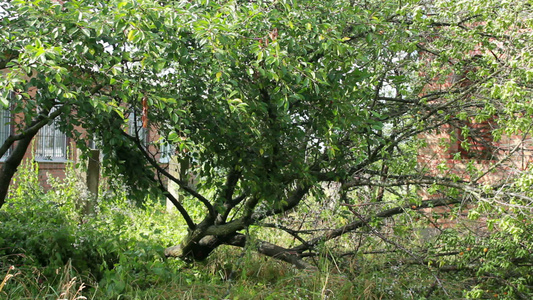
[(4, 101), (86, 32), (132, 34)]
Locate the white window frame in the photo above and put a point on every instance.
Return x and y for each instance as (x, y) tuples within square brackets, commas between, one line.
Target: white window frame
[(165, 152), (135, 123), (51, 144), (5, 129)]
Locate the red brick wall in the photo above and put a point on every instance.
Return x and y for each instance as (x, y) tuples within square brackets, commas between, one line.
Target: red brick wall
[(437, 159), (49, 169)]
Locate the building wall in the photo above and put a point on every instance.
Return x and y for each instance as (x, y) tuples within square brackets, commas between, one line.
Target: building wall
[(443, 156), (47, 169)]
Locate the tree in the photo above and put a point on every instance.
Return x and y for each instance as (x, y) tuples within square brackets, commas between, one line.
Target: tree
[(41, 81), (273, 103)]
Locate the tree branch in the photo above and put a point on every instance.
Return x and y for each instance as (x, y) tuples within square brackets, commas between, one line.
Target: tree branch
[(360, 223), (176, 203), (229, 188), (179, 182), (292, 202), (273, 251)]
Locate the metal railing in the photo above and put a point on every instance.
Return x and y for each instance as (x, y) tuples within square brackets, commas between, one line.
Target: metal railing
[(51, 144), (5, 129)]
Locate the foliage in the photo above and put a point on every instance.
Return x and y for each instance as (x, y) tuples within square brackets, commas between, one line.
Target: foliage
[(45, 231), (118, 253), (301, 117)]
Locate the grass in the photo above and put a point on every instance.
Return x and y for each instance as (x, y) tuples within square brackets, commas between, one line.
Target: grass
[(131, 266), (250, 276), (48, 252), (231, 273), (23, 283)]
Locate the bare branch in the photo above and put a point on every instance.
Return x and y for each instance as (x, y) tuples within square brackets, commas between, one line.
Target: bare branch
[(177, 204), (360, 223), (182, 184)]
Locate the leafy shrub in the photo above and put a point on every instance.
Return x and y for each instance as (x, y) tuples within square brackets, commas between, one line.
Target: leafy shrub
[(118, 253), (122, 243)]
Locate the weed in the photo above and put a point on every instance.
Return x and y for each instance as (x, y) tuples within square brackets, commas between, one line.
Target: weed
[(47, 251), (7, 277)]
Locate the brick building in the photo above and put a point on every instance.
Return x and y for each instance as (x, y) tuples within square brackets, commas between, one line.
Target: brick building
[(53, 151), (478, 156)]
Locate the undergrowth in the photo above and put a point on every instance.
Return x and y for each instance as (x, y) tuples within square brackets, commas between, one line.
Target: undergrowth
[(48, 250)]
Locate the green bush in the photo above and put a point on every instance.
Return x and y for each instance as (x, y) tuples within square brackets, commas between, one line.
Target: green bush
[(118, 253), (122, 243)]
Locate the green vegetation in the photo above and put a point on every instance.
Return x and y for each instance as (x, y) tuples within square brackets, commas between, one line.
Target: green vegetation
[(371, 148), (49, 251)]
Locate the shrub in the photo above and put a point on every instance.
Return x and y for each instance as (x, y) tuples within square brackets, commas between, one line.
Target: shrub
[(44, 232)]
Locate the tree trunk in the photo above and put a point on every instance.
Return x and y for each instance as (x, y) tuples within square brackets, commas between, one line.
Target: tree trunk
[(200, 242), (93, 181), (273, 251), (192, 246), (200, 250), (9, 168), (189, 250), (11, 164)]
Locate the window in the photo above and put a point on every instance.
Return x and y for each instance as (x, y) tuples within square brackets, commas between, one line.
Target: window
[(92, 144), (4, 7), (165, 152), (135, 124), (51, 144), (5, 128), (475, 141)]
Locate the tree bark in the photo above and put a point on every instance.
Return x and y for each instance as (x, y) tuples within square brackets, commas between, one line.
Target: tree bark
[(202, 241), (93, 181), (9, 168), (273, 251), (11, 164), (201, 250)]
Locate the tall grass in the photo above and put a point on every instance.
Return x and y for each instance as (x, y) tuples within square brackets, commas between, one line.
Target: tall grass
[(48, 250)]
